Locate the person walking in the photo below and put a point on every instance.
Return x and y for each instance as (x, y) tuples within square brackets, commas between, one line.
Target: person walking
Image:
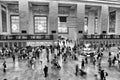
[(46, 71), (109, 61), (82, 64), (4, 67), (86, 60), (77, 69), (94, 61), (102, 76), (13, 57)]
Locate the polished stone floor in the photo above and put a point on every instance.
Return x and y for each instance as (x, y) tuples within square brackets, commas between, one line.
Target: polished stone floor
[(66, 73)]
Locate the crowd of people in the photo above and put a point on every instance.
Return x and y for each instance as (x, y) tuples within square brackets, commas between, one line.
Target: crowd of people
[(60, 53)]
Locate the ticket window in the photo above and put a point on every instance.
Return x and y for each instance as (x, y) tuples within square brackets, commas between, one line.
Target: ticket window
[(15, 44), (109, 42), (87, 42), (6, 45), (103, 42), (19, 44), (24, 44), (1, 44), (10, 44), (116, 42)]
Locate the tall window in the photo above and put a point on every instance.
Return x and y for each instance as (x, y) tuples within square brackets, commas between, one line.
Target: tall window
[(112, 21), (15, 24), (4, 21), (86, 24), (62, 25), (40, 24), (96, 25)]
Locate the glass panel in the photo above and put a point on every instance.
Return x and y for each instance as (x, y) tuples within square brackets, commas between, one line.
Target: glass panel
[(10, 44), (6, 44), (15, 24), (112, 21), (4, 21), (40, 24), (86, 24), (62, 26), (96, 25), (1, 44)]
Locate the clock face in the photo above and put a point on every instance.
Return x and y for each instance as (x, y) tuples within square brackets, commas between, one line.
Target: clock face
[(14, 27)]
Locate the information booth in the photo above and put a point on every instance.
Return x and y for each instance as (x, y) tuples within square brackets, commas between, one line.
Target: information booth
[(25, 40)]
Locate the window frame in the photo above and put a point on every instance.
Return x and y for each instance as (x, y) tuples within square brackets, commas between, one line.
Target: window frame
[(3, 29), (109, 23), (11, 24), (66, 25), (46, 24), (86, 18), (96, 25)]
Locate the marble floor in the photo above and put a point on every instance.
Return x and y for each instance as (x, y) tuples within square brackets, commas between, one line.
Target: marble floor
[(66, 73)]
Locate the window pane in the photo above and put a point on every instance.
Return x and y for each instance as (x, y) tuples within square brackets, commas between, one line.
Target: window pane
[(96, 25), (4, 21), (62, 25), (112, 21), (15, 24), (86, 24), (40, 24)]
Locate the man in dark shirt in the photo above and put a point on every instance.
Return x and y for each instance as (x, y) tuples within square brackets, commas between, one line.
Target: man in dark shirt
[(102, 75), (46, 71), (4, 66)]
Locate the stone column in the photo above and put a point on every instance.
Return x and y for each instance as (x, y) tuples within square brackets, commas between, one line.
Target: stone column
[(24, 15), (0, 20), (80, 18), (117, 28), (91, 22), (53, 17), (104, 18)]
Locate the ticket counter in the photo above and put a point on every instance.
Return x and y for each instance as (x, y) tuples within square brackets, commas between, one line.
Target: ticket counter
[(25, 40), (100, 39)]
